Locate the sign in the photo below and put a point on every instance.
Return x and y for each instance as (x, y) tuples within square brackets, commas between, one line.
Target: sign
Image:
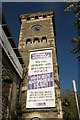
[(40, 92)]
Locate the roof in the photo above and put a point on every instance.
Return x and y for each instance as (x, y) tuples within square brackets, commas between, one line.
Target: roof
[(10, 38), (47, 12)]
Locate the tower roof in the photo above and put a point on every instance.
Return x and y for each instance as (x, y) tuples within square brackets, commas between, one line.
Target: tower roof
[(39, 14)]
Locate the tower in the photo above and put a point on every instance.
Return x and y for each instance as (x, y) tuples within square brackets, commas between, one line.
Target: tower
[(41, 87)]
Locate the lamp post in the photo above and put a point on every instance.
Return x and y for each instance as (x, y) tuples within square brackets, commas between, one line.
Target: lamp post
[(75, 92)]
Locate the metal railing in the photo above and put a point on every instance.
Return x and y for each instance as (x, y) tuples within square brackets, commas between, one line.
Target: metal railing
[(10, 52)]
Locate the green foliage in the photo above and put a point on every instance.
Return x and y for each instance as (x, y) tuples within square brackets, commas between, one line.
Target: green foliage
[(7, 79), (76, 50), (68, 9), (69, 105), (18, 109), (75, 7), (77, 24)]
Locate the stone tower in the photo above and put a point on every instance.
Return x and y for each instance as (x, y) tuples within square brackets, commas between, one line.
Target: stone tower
[(41, 87)]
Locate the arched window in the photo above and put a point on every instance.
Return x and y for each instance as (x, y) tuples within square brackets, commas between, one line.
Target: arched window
[(35, 118), (28, 41), (44, 39), (36, 40)]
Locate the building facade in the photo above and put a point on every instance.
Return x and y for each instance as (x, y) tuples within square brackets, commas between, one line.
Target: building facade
[(37, 45)]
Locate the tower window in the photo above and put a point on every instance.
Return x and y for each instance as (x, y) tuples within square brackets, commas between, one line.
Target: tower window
[(44, 39), (36, 27), (36, 40), (28, 41), (36, 17), (28, 18), (44, 16), (35, 118)]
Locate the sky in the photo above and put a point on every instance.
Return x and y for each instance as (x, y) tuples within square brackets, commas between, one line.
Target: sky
[(65, 31)]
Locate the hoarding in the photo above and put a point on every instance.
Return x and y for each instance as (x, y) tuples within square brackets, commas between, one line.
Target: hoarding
[(40, 93)]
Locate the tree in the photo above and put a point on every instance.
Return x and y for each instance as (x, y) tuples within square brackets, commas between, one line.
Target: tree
[(69, 106), (75, 7)]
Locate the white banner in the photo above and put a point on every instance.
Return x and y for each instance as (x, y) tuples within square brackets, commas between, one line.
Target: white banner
[(40, 92)]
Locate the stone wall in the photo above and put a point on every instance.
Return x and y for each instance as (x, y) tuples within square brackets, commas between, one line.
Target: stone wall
[(9, 90), (45, 39)]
